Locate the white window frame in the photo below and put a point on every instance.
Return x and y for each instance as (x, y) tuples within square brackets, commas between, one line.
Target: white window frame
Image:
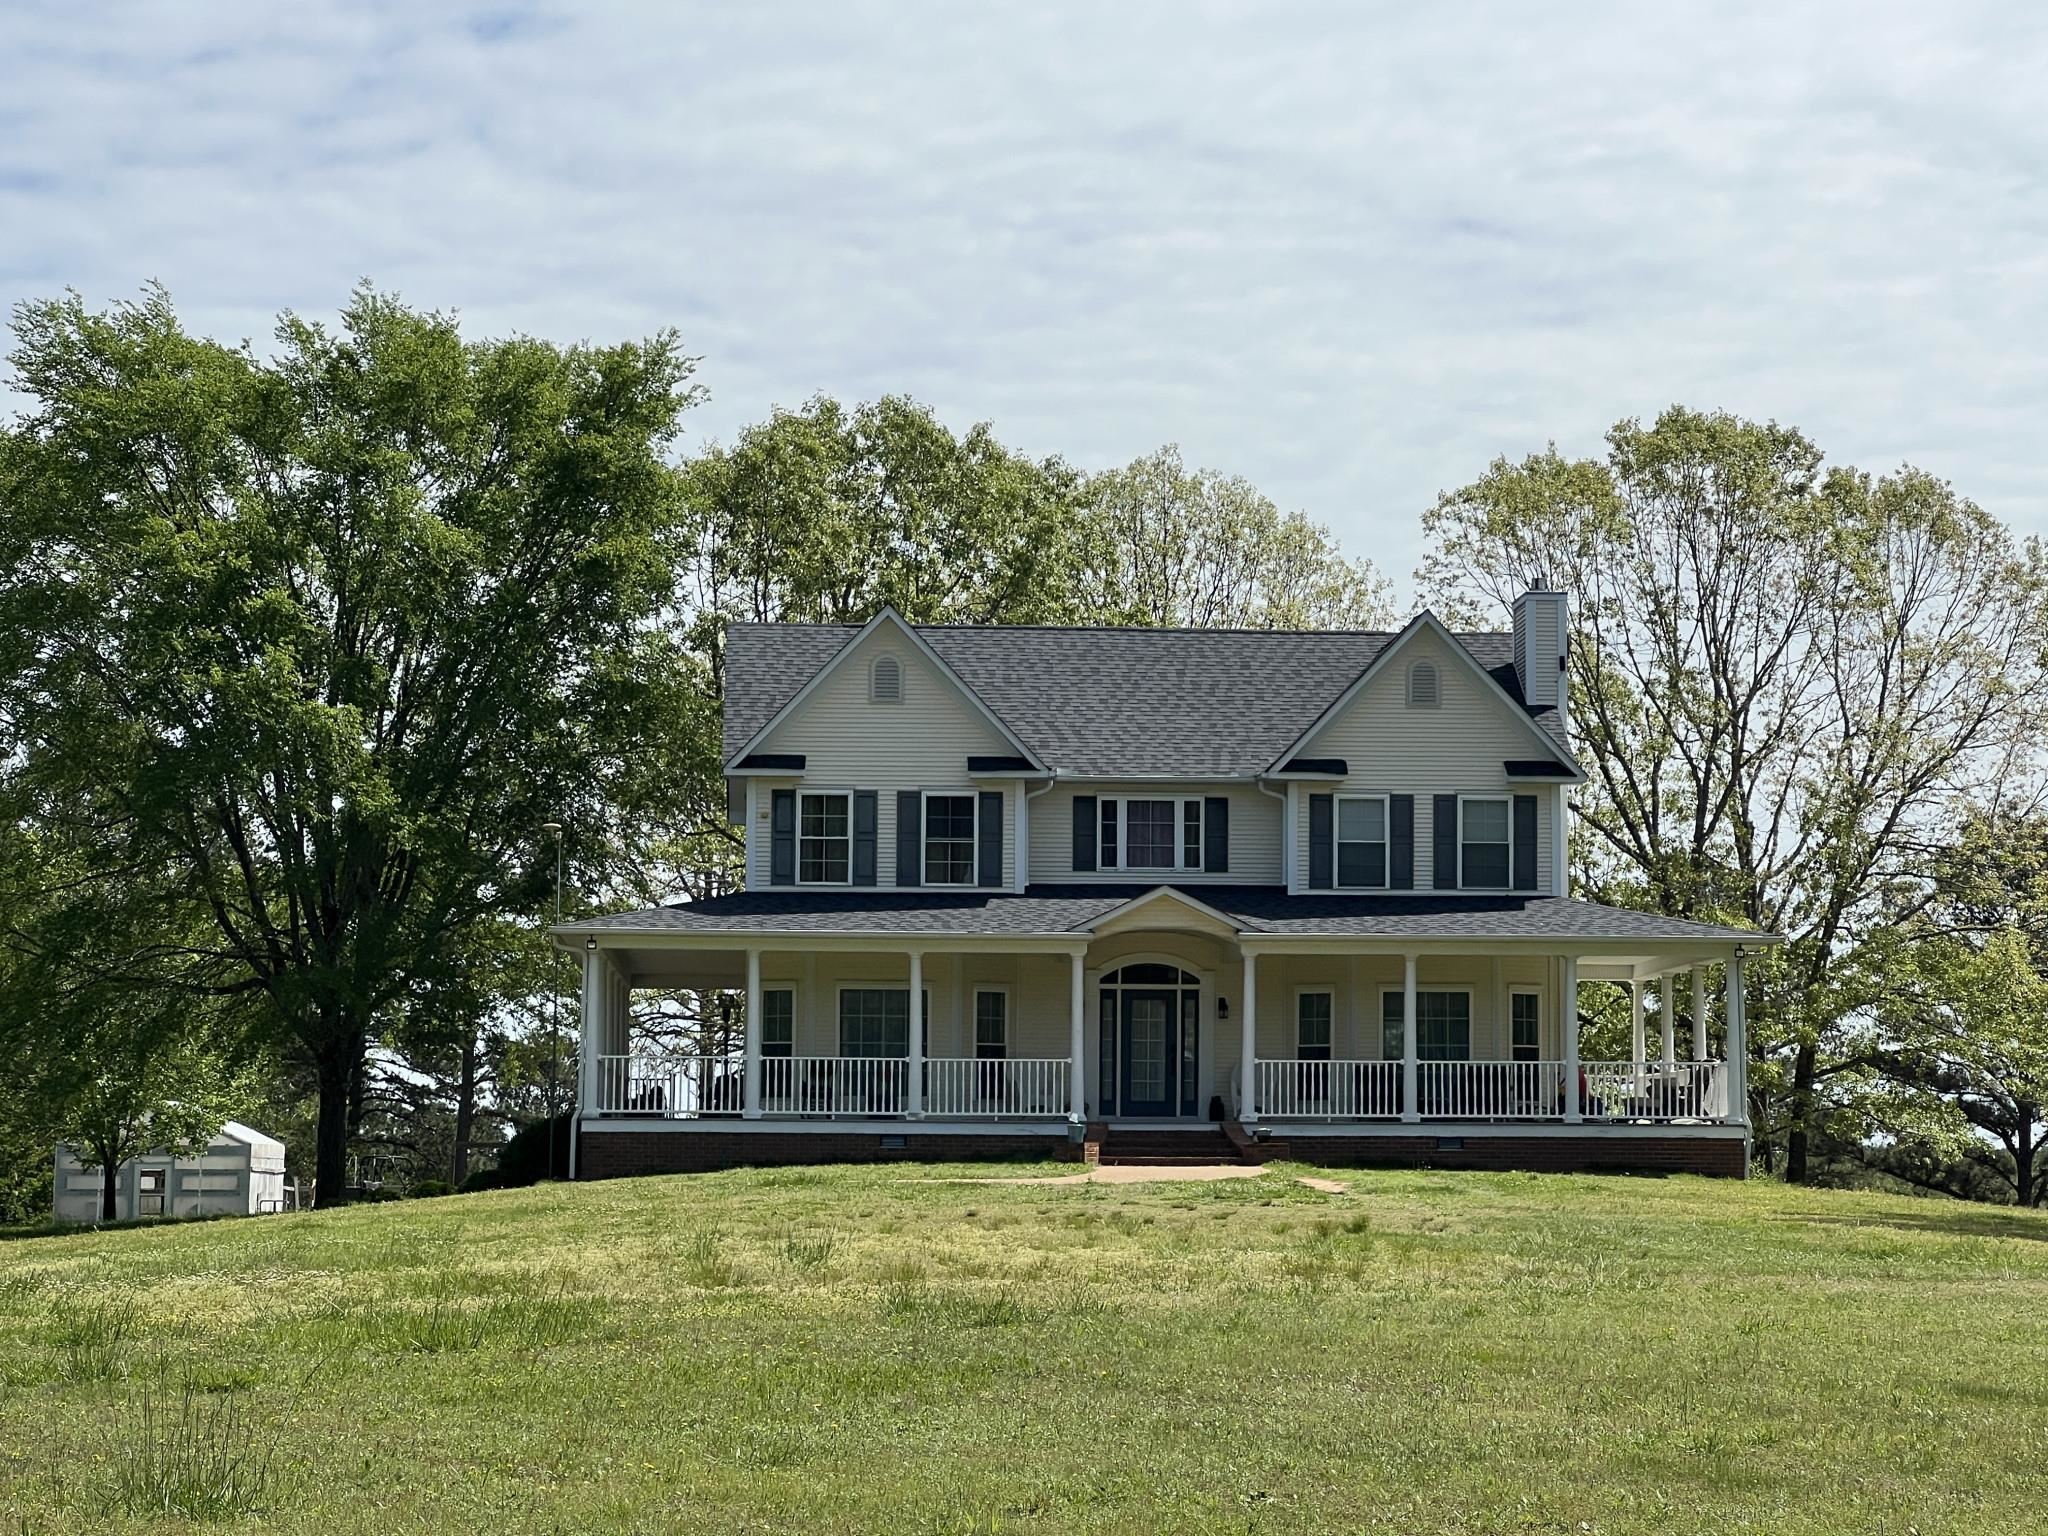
[(1420, 988), (1523, 990), (1436, 673), (924, 837), (1322, 990), (795, 1014), (812, 794), (974, 1019), (1180, 805), (1337, 880), (1508, 803), (839, 992)]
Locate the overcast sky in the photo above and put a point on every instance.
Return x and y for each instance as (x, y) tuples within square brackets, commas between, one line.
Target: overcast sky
[(1349, 251)]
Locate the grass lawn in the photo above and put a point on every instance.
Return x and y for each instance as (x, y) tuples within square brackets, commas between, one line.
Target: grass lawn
[(878, 1350)]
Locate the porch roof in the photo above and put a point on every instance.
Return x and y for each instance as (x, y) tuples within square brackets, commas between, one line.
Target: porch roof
[(1052, 910)]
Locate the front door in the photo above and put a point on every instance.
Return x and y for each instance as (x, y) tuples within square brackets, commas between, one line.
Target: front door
[(1151, 1053)]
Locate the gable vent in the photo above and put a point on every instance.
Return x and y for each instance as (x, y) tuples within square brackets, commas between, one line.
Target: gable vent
[(1422, 685), (886, 681)]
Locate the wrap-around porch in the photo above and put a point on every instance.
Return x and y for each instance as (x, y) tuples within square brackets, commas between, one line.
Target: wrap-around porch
[(1153, 1025)]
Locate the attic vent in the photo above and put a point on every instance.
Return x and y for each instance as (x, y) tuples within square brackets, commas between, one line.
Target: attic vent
[(1422, 688), (886, 685)]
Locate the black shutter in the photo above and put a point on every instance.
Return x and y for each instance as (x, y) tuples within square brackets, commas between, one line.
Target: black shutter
[(864, 819), (909, 837), (1215, 835), (1444, 839), (991, 839), (782, 838), (1084, 833), (1322, 849), (1401, 842), (1525, 843)]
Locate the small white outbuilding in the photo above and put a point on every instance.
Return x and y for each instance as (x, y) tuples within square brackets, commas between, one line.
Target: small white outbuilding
[(241, 1173)]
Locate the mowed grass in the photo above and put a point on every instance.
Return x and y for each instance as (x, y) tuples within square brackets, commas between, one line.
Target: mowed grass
[(886, 1350)]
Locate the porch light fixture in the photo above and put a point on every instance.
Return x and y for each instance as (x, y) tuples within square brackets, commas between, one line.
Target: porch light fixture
[(1222, 1007), (591, 942)]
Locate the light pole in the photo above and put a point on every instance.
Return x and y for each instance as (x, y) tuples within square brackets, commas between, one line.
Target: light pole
[(554, 830)]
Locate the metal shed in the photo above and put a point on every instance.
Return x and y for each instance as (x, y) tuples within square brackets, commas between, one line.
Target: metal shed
[(241, 1173)]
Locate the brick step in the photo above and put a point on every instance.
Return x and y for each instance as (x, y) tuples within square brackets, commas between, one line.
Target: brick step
[(1163, 1160)]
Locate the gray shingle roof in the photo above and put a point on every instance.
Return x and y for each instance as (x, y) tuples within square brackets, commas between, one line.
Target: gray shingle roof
[(1070, 908), (1111, 702)]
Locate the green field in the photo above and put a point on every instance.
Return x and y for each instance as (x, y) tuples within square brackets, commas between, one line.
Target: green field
[(886, 1350)]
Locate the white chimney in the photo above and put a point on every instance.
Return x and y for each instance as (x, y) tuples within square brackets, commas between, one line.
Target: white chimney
[(1540, 645)]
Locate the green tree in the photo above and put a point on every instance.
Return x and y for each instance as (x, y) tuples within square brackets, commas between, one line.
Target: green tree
[(1169, 545), (1783, 679), (329, 634)]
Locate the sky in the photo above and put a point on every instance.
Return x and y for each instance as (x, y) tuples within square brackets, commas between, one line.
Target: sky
[(1350, 251)]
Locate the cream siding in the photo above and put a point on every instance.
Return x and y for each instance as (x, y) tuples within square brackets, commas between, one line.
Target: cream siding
[(1037, 987), (1458, 747), (1255, 822), (1358, 981), (850, 742)]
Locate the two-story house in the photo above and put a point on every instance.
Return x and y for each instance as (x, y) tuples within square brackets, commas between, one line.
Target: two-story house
[(1010, 889)]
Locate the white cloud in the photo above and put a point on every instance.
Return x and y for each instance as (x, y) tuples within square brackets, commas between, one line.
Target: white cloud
[(1350, 252)]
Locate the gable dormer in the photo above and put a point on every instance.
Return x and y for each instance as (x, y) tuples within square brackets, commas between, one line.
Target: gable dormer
[(884, 769), (1430, 775)]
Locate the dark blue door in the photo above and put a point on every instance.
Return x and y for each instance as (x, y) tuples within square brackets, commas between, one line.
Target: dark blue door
[(1151, 1040)]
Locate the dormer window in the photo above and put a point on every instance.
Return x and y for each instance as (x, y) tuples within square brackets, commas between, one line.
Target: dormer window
[(885, 681), (1422, 686)]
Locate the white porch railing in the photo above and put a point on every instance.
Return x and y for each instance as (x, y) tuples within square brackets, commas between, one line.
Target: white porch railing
[(1655, 1090), (1490, 1090), (1330, 1090), (835, 1085), (1613, 1091), (964, 1087), (676, 1087)]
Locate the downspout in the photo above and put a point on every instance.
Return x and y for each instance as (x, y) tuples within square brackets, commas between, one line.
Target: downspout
[(1023, 848), (1286, 831)]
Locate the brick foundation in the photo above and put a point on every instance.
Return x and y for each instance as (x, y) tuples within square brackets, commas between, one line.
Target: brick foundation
[(1716, 1156), (623, 1154)]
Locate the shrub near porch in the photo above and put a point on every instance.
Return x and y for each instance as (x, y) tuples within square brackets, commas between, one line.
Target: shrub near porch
[(885, 1349)]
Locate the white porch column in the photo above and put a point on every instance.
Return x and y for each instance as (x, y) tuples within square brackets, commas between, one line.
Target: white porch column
[(1248, 1057), (1639, 1050), (750, 1103), (1699, 1013), (1738, 1043), (914, 1098), (1411, 1104), (1077, 1042), (588, 1043), (1568, 1017), (1667, 1015)]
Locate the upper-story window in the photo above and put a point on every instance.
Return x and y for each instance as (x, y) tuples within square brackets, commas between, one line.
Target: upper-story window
[(885, 681), (1150, 833), (1362, 841), (1483, 847), (1423, 691), (948, 839), (824, 843)]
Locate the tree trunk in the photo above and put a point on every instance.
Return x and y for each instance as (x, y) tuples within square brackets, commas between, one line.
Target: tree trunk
[(330, 1170), (1801, 1115), (2023, 1157), (465, 1110), (110, 1171)]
